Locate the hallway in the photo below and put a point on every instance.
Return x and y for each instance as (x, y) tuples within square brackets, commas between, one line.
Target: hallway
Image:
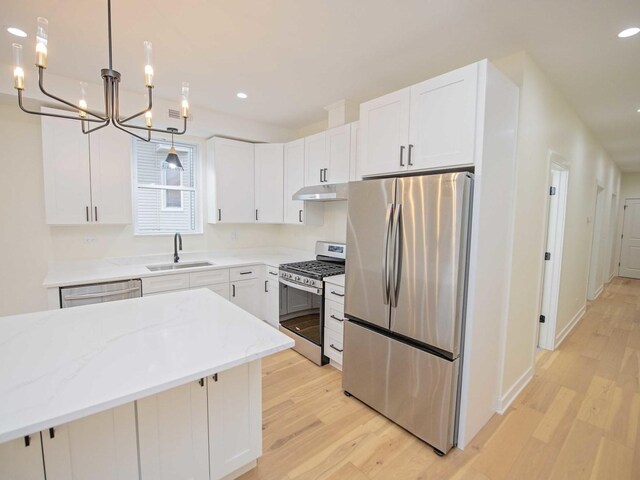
[(577, 419)]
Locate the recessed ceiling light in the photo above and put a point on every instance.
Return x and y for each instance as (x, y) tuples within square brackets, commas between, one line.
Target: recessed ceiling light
[(241, 95), (16, 31), (629, 32)]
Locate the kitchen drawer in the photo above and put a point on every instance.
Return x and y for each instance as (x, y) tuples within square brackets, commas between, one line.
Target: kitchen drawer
[(333, 345), (165, 283), (334, 293), (244, 273), (334, 316), (272, 272), (208, 277)]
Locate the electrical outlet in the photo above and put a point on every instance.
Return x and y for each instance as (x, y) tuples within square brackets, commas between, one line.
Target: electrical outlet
[(90, 240)]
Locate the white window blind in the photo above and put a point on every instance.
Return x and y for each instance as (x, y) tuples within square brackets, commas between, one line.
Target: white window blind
[(166, 200)]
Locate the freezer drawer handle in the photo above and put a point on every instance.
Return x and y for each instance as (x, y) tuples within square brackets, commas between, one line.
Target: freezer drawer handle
[(337, 294), (101, 294), (336, 318), (340, 350)]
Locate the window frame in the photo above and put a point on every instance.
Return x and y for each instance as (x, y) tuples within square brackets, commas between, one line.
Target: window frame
[(164, 207), (198, 188)]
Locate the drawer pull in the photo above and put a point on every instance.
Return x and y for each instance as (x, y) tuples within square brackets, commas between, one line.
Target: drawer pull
[(246, 273), (339, 350), (337, 294), (273, 273), (336, 318)]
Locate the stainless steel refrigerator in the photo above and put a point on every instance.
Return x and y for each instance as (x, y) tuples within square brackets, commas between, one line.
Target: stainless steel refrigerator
[(405, 300)]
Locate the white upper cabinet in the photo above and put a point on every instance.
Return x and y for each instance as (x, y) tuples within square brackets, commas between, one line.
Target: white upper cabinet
[(315, 159), (384, 133), (355, 151), (338, 151), (443, 120), (231, 176), (87, 178), (297, 212), (269, 182)]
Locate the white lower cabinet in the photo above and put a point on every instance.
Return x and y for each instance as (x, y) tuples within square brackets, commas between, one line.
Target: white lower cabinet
[(235, 418), (21, 459), (271, 304), (333, 329), (99, 447), (247, 295), (173, 434), (221, 289)]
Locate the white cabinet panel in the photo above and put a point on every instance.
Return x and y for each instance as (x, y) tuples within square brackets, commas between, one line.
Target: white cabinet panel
[(21, 462), (208, 277), (334, 293), (65, 155), (99, 447), (293, 181), (315, 158), (333, 345), (235, 418), (334, 316), (245, 273), (269, 182), (355, 151), (165, 283), (271, 310), (221, 289), (247, 294), (173, 434), (384, 129), (231, 175), (443, 120), (338, 151), (110, 153)]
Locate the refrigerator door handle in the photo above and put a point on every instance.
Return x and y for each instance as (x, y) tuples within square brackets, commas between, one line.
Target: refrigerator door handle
[(396, 242), (385, 255)]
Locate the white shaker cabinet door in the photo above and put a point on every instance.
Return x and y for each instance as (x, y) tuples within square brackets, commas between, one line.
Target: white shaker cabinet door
[(231, 177), (247, 294), (110, 153), (293, 181), (221, 289), (99, 447), (338, 154), (269, 182), (21, 459), (235, 418), (315, 159), (172, 428), (271, 313), (65, 155), (442, 130), (384, 134)]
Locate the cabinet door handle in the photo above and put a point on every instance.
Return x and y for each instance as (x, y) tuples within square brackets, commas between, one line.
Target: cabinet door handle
[(52, 432), (336, 318), (215, 377), (266, 290), (320, 175), (95, 209), (325, 174), (27, 440), (402, 155), (201, 382), (337, 294), (219, 214), (87, 209), (339, 350), (233, 290), (246, 273), (300, 216), (409, 155), (273, 273)]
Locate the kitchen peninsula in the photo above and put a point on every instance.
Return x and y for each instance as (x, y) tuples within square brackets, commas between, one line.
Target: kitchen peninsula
[(161, 387)]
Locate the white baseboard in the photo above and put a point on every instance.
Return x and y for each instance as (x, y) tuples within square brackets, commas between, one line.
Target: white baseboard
[(507, 399), (598, 292), (611, 277), (570, 326)]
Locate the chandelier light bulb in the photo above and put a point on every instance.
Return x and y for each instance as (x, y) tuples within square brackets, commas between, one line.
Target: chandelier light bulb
[(42, 37), (184, 110), (148, 64), (18, 70), (82, 103), (148, 119)]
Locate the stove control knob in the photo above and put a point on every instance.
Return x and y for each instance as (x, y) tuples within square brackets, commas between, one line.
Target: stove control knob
[(297, 279)]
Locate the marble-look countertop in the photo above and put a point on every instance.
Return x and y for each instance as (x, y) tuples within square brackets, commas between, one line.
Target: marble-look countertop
[(60, 365), (335, 280), (111, 269)]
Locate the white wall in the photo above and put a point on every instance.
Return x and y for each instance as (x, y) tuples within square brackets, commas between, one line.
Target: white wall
[(548, 123)]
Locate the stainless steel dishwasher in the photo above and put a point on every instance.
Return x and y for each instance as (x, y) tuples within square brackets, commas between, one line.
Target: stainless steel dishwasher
[(99, 292)]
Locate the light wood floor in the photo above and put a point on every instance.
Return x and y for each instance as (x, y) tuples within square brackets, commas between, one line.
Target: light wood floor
[(577, 419)]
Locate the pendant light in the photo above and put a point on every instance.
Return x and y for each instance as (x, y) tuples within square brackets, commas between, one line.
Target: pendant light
[(172, 160)]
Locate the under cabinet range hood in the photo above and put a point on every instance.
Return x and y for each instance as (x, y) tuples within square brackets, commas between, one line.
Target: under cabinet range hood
[(323, 193)]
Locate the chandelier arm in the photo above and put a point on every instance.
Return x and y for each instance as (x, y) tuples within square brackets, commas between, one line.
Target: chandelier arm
[(90, 130), (148, 139), (139, 114), (158, 130), (75, 107), (55, 115)]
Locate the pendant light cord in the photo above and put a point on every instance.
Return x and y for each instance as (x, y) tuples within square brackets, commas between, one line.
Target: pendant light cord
[(109, 28)]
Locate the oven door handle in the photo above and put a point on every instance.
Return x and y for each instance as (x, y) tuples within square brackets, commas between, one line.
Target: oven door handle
[(306, 288)]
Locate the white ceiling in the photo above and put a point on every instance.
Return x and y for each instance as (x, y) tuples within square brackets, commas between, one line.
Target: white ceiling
[(295, 56)]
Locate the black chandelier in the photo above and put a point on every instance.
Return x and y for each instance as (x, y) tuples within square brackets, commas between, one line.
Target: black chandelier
[(89, 119)]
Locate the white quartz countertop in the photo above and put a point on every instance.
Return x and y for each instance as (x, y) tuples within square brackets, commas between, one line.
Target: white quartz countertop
[(107, 270), (60, 365), (335, 280)]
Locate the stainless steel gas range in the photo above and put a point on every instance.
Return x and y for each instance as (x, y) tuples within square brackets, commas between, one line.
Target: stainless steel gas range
[(302, 298)]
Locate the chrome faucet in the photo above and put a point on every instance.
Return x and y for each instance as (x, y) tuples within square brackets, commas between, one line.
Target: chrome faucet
[(176, 246)]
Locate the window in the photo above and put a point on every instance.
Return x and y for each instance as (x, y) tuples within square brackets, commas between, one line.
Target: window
[(166, 200)]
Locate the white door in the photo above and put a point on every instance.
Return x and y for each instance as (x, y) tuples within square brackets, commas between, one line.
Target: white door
[(315, 159), (99, 447), (235, 418), (221, 289), (630, 251), (338, 154), (384, 133), (173, 434), (110, 153), (65, 155), (269, 182), (293, 181), (247, 295), (233, 177), (271, 313), (21, 459), (443, 120)]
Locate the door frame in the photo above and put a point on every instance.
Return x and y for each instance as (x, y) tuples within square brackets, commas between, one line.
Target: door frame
[(610, 258), (546, 337), (620, 231), (595, 257)]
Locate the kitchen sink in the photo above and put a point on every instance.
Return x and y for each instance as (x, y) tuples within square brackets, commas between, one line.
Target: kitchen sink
[(178, 266)]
